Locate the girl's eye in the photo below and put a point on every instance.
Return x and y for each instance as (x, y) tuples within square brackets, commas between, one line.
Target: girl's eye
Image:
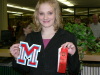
[(41, 13), (50, 13)]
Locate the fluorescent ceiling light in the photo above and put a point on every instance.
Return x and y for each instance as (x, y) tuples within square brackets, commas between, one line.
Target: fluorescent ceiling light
[(18, 15), (94, 10), (66, 2), (14, 12), (19, 7), (89, 10), (69, 10)]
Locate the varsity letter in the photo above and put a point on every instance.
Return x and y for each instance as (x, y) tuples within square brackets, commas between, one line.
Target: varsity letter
[(28, 54)]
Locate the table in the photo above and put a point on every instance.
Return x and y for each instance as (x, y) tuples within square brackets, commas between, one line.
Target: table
[(87, 57), (91, 58), (91, 64), (5, 69), (5, 53)]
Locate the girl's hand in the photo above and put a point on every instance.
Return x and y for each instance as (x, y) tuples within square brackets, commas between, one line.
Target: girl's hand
[(70, 46), (14, 50)]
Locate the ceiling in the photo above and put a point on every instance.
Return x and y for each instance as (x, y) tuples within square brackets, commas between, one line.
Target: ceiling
[(32, 3)]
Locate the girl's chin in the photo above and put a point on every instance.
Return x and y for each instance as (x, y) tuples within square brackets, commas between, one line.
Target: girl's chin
[(47, 26)]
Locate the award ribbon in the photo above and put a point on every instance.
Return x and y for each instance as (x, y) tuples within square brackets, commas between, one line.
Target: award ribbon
[(62, 60)]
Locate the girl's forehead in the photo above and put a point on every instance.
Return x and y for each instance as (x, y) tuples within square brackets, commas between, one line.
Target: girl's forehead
[(44, 5)]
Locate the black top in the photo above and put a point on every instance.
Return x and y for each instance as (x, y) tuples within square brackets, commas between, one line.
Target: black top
[(48, 57)]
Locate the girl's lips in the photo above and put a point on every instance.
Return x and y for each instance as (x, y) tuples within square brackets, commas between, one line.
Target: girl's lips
[(46, 21)]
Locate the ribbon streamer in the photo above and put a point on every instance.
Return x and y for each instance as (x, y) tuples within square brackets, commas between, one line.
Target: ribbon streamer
[(62, 60)]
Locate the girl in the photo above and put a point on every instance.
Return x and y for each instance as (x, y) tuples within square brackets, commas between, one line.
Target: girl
[(49, 34)]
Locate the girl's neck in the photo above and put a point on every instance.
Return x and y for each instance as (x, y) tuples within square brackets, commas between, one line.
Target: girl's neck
[(47, 33), (48, 30)]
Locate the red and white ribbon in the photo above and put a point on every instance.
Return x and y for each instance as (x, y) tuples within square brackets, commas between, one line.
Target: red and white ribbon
[(62, 60)]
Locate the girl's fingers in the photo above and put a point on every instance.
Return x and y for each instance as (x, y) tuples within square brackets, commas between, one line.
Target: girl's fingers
[(14, 50), (71, 47)]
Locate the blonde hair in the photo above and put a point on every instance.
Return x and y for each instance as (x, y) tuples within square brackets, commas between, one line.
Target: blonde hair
[(55, 5)]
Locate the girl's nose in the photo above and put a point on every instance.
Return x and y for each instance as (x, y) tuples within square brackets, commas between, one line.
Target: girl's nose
[(45, 16)]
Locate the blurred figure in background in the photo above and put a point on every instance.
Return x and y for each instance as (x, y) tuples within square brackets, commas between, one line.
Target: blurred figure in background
[(18, 25), (77, 20), (87, 21), (95, 26), (25, 29)]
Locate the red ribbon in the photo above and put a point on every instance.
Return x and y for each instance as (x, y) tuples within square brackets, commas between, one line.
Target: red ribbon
[(62, 60)]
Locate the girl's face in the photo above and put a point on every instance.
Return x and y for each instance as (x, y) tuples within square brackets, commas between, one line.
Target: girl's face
[(28, 29), (46, 15)]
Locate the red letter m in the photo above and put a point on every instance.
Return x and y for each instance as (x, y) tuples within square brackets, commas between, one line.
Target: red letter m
[(29, 53)]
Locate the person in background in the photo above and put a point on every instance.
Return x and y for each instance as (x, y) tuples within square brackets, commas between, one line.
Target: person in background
[(18, 25), (25, 29), (77, 20), (86, 21), (95, 26), (49, 33)]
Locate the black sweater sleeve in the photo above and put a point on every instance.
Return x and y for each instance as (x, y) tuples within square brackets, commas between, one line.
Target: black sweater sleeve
[(73, 61), (20, 68)]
